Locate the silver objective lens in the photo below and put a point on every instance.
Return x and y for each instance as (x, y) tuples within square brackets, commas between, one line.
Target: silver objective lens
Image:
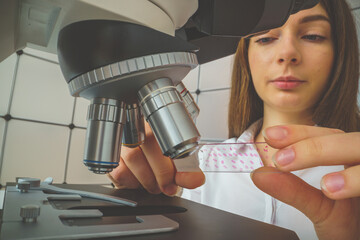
[(189, 102), (106, 118), (171, 123), (134, 129)]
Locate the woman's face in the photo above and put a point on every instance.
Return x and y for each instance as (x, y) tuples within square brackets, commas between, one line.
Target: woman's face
[(290, 65)]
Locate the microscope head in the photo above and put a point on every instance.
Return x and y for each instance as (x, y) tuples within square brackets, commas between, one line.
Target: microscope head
[(126, 71)]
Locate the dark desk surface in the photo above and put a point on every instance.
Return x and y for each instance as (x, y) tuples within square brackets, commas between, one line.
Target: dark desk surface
[(196, 221)]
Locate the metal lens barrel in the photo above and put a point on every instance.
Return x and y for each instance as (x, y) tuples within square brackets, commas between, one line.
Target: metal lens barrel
[(106, 118), (189, 102), (134, 129), (168, 118)]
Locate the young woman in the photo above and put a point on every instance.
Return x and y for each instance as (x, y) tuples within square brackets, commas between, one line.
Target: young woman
[(296, 88)]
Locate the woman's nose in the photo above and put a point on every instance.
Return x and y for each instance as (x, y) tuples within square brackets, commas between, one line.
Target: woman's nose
[(289, 52)]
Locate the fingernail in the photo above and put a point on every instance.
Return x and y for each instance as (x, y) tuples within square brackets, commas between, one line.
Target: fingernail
[(251, 174), (170, 190), (275, 133), (333, 182), (283, 157), (154, 190)]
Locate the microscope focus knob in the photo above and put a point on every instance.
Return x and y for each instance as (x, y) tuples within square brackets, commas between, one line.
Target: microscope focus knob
[(34, 182), (23, 186), (29, 213)]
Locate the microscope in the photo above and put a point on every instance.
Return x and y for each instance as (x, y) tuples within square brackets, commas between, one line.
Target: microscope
[(131, 71), (128, 58)]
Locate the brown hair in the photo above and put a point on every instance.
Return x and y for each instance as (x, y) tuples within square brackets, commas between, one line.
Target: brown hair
[(338, 106)]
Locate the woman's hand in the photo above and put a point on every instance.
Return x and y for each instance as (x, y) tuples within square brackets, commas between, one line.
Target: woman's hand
[(146, 166), (335, 209)]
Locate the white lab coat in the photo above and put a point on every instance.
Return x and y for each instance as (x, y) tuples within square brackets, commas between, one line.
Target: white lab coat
[(234, 191)]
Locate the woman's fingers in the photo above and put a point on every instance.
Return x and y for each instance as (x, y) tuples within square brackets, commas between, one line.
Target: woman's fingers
[(292, 190), (147, 166), (162, 167), (282, 136), (122, 177), (335, 149), (343, 184), (190, 180), (303, 147), (137, 163), (332, 219)]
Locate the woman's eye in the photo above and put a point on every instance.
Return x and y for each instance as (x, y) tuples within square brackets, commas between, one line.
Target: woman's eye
[(313, 37), (265, 40)]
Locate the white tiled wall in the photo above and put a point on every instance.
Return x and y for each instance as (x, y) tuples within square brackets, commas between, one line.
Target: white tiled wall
[(41, 92), (34, 150), (2, 131), (80, 112), (216, 74), (190, 81), (212, 120), (357, 19), (7, 68), (39, 142), (354, 3)]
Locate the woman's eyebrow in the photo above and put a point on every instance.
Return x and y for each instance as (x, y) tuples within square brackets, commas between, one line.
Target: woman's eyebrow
[(311, 18)]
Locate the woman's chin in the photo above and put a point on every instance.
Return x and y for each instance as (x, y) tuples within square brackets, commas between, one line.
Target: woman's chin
[(288, 106), (286, 102)]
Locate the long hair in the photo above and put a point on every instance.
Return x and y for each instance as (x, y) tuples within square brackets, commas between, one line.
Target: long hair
[(337, 108)]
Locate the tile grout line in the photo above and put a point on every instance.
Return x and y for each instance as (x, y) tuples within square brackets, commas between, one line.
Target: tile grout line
[(69, 142), (67, 156), (40, 58), (198, 85), (215, 89), (13, 83), (73, 112), (43, 122), (4, 137), (197, 95), (3, 148)]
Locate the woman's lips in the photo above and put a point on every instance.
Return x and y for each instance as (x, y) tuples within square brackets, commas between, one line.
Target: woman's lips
[(287, 83)]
